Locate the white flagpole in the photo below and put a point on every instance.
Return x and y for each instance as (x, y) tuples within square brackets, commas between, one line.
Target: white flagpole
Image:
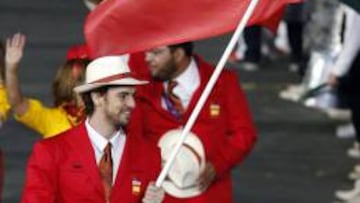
[(207, 90)]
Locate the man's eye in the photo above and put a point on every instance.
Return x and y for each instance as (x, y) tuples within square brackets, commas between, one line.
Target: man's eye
[(123, 96)]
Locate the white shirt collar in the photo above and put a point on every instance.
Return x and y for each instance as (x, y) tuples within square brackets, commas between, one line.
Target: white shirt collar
[(99, 141), (189, 79), (188, 82)]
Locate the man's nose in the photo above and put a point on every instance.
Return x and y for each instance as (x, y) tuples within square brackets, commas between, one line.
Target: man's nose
[(130, 101)]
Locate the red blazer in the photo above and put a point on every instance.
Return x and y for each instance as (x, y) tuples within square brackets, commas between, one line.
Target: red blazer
[(224, 125), (63, 169)]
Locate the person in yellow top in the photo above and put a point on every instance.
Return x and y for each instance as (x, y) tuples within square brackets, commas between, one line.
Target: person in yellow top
[(4, 103), (68, 108), (4, 108)]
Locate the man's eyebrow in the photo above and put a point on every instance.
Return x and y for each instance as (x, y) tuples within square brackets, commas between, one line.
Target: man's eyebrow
[(126, 92)]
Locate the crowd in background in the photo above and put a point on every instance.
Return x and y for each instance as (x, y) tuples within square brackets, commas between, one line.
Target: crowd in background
[(322, 41)]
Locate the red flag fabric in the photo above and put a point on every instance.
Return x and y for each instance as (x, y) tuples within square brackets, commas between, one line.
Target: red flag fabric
[(126, 26)]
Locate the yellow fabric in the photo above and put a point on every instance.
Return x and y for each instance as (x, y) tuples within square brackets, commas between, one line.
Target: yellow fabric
[(46, 121), (4, 103)]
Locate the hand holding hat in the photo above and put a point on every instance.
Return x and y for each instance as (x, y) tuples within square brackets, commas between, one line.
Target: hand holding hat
[(184, 175), (153, 194), (207, 176)]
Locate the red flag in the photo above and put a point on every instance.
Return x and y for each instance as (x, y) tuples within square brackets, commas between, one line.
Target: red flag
[(126, 26)]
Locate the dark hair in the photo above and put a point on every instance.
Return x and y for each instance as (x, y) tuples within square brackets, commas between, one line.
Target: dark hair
[(70, 74), (188, 47), (88, 102)]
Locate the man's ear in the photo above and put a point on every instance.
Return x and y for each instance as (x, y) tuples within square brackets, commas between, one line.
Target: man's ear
[(179, 54), (97, 98)]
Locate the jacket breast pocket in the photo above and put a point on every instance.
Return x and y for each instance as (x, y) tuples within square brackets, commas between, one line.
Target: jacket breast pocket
[(74, 182)]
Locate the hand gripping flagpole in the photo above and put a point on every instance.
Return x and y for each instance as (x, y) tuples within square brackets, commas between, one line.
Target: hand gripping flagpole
[(207, 91)]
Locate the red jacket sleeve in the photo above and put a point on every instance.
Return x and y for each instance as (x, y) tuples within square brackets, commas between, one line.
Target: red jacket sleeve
[(240, 130), (40, 181)]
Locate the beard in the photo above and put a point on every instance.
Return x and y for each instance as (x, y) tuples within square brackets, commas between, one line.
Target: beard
[(119, 118), (166, 72), (120, 121)]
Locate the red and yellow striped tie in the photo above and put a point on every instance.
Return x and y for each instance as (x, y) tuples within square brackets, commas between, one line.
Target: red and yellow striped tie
[(106, 171), (174, 99)]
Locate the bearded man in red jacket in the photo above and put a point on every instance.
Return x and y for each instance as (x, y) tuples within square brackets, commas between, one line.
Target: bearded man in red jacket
[(224, 125)]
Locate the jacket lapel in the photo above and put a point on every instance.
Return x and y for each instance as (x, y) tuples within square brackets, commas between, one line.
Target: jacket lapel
[(83, 149)]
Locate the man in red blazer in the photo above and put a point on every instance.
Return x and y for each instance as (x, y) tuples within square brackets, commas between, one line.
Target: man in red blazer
[(97, 161), (224, 125)]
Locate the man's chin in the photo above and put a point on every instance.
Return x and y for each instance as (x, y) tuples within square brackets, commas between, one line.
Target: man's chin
[(160, 78), (122, 123)]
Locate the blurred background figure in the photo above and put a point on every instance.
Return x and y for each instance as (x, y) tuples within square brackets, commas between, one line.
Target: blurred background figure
[(294, 18), (68, 107), (257, 42), (331, 80), (323, 42), (4, 108), (4, 104), (253, 39), (348, 63)]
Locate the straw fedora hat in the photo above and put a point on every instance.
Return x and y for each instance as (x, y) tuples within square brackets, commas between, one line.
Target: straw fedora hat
[(182, 179), (108, 70)]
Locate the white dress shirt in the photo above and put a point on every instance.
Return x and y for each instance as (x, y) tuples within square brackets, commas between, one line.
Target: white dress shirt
[(99, 143), (188, 82)]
